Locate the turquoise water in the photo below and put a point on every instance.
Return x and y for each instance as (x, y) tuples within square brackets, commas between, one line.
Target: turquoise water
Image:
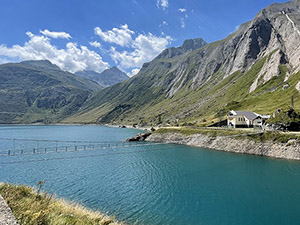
[(159, 184)]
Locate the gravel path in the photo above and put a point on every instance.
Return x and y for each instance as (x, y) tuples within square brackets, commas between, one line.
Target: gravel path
[(6, 216)]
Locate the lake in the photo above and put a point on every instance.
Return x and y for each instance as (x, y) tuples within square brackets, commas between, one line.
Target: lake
[(153, 184)]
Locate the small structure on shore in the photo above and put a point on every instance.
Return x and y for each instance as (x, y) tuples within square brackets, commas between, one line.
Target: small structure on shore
[(246, 119)]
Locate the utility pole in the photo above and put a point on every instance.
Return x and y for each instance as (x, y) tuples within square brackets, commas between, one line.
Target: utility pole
[(292, 102)]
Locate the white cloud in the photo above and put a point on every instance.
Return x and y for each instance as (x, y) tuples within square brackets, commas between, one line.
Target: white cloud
[(182, 22), (145, 48), (54, 34), (133, 72), (162, 3), (163, 24), (182, 10), (3, 60), (121, 36), (72, 58), (95, 44)]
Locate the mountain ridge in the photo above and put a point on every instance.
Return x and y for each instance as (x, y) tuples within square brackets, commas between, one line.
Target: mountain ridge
[(39, 92), (234, 72), (106, 78)]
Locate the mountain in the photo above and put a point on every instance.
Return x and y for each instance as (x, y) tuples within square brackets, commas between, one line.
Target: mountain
[(107, 78), (38, 91), (255, 68)]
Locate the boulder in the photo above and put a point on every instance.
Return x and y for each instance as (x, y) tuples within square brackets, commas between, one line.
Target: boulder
[(139, 137)]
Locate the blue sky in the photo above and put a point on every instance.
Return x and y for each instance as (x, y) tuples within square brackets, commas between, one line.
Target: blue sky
[(98, 34)]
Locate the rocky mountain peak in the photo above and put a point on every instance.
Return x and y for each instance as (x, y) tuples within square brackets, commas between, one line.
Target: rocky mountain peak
[(192, 44), (106, 78), (187, 46)]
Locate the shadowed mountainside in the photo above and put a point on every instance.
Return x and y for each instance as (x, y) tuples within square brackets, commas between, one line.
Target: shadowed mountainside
[(38, 91)]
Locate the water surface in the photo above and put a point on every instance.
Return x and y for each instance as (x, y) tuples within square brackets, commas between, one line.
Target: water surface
[(159, 184)]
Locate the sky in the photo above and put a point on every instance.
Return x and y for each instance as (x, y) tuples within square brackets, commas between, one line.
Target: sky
[(95, 35)]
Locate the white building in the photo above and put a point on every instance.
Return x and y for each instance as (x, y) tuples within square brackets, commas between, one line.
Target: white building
[(245, 119)]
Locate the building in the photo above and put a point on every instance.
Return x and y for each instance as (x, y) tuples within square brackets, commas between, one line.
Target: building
[(246, 119)]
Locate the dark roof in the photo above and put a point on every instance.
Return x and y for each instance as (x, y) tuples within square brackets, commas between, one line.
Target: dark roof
[(249, 115)]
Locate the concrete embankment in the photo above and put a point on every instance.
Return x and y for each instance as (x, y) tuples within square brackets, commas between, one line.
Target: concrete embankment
[(289, 150)]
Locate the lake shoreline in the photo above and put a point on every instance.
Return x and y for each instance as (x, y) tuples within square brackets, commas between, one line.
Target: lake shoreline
[(23, 203), (289, 150)]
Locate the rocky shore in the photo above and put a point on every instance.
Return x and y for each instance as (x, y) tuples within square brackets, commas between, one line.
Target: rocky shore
[(6, 215), (289, 150)]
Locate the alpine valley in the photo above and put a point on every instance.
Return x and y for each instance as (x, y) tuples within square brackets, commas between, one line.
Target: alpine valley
[(255, 68)]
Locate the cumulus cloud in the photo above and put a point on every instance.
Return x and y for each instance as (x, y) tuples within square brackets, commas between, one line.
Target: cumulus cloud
[(144, 49), (162, 3), (54, 34), (95, 44), (121, 36), (71, 58), (182, 10)]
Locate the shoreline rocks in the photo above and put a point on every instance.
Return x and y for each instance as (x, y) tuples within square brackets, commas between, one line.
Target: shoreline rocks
[(6, 215), (139, 137), (290, 150)]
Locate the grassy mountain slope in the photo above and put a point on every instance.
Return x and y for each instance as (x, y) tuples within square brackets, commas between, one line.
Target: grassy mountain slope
[(247, 71), (38, 91), (204, 103)]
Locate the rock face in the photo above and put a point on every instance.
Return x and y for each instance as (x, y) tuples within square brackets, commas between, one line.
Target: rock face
[(290, 150), (107, 78), (139, 137), (6, 215), (258, 51), (274, 32)]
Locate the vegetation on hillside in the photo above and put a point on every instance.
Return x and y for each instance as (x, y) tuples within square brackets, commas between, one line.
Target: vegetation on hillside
[(207, 131), (39, 92), (209, 102), (285, 120), (32, 207)]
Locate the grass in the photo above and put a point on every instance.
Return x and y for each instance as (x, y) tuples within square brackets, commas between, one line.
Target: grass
[(206, 131), (282, 137), (274, 137), (32, 207)]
